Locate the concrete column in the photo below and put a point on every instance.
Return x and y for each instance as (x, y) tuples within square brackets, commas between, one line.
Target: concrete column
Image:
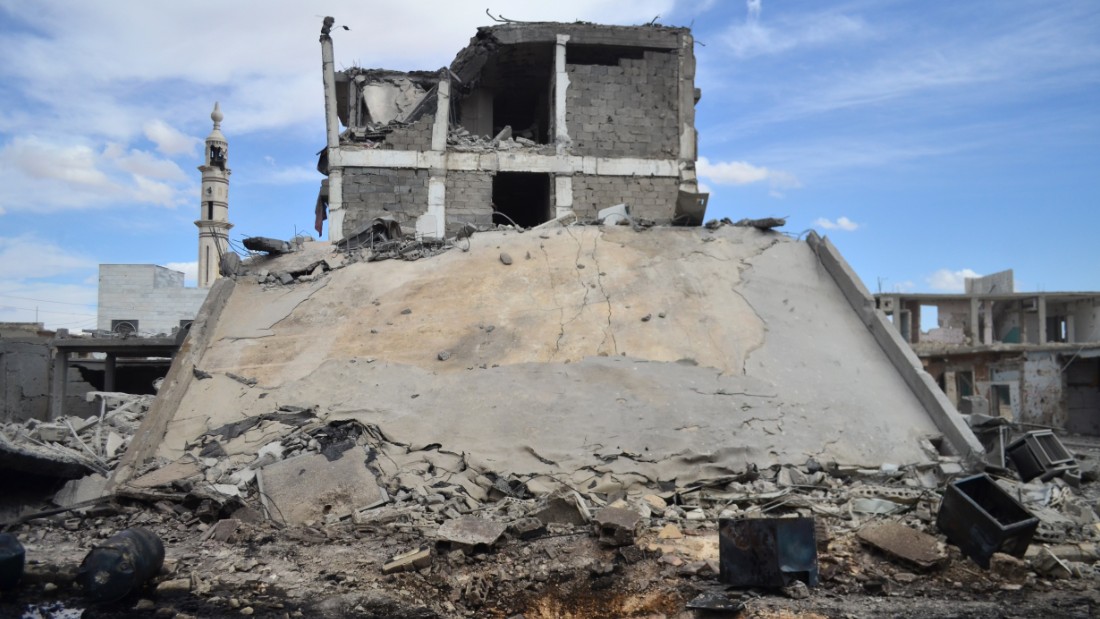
[(988, 336), (561, 88), (59, 384), (686, 98), (975, 308), (442, 111), (332, 137), (109, 373), (1070, 335), (336, 210), (1021, 317), (432, 224), (563, 195), (1042, 303)]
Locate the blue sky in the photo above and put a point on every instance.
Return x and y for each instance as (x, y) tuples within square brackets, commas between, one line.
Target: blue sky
[(929, 140)]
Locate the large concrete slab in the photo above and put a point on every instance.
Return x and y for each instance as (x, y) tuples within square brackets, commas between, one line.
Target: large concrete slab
[(669, 354)]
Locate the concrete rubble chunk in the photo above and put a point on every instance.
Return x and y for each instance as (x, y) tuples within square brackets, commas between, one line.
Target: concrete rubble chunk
[(1051, 566), (905, 543), (561, 510), (310, 488), (616, 526), (527, 528), (409, 561), (183, 469), (79, 490), (1008, 567), (505, 258), (471, 533)]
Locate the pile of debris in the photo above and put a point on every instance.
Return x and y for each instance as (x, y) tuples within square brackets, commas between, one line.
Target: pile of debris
[(464, 540), (72, 447), (461, 140)]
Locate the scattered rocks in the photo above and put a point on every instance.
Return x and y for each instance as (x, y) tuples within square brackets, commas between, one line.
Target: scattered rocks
[(505, 258)]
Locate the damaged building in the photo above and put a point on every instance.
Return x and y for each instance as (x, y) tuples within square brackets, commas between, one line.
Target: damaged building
[(529, 122), (1030, 357), (569, 414)]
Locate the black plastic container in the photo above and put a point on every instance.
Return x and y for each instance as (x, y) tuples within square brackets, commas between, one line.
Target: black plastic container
[(12, 559), (1039, 454), (120, 565), (767, 552), (981, 518)]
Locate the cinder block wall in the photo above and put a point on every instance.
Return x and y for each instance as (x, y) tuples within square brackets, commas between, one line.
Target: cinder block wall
[(648, 197), (150, 294), (378, 192), (469, 199), (627, 110), (417, 136)]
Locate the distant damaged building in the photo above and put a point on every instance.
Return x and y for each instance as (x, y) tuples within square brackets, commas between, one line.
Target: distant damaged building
[(532, 121)]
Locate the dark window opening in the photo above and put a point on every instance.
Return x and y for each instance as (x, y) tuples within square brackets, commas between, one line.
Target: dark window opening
[(131, 375), (522, 198), (516, 85), (964, 383), (210, 210), (1056, 329), (217, 157), (601, 54)]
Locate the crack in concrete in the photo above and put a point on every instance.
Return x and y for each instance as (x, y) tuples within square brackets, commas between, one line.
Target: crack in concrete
[(745, 393), (561, 306), (744, 265), (607, 298), (580, 280)]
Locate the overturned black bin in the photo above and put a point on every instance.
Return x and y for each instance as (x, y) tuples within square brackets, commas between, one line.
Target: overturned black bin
[(767, 552), (981, 518), (1040, 454), (12, 558), (121, 565)]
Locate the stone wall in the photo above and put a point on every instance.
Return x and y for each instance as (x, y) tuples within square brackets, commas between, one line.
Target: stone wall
[(1042, 387), (417, 136), (649, 197), (469, 199), (151, 294), (625, 110), (378, 192)]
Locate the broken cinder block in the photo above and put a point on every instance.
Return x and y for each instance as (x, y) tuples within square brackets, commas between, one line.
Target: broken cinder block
[(616, 526), (905, 543), (409, 561)]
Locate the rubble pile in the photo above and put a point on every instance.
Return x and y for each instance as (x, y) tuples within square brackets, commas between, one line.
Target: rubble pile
[(72, 447), (419, 531)]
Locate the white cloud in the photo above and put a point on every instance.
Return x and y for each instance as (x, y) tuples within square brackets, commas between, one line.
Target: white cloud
[(946, 280), (168, 139), (753, 38), (48, 175), (27, 257), (190, 270), (274, 175), (70, 306), (841, 223), (744, 173)]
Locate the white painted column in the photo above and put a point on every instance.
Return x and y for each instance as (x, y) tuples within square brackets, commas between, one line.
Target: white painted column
[(432, 224), (1042, 301), (561, 88), (332, 136), (975, 332), (442, 111), (563, 195)]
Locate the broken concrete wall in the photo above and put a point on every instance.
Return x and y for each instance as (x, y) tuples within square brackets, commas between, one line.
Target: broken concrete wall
[(417, 136), (1042, 394), (648, 197), (379, 192), (1083, 396), (24, 380), (1086, 316), (469, 198), (624, 110)]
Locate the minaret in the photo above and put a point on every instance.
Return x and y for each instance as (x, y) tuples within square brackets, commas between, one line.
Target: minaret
[(213, 222)]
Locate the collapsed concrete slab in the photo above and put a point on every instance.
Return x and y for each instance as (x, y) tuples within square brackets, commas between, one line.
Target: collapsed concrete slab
[(752, 355)]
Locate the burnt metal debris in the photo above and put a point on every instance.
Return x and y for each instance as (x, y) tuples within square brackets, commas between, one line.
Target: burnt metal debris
[(121, 565), (981, 518), (12, 560), (767, 552)]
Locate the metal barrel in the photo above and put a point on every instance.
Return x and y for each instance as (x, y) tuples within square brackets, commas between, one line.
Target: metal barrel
[(120, 565), (12, 558)]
